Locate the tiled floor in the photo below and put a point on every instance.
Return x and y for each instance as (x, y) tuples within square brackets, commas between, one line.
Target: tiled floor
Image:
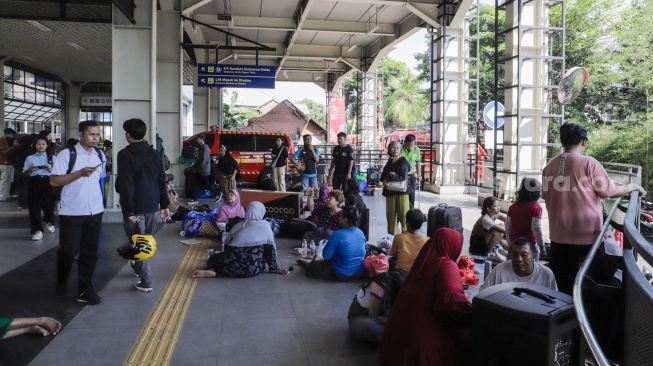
[(269, 319)]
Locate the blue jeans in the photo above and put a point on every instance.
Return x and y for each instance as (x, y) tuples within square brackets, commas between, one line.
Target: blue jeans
[(309, 181)]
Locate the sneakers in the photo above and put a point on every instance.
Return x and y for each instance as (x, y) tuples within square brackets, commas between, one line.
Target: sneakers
[(143, 288), (218, 197), (37, 236), (89, 297), (192, 202), (49, 227)]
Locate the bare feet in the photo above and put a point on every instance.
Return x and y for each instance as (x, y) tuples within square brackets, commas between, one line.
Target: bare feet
[(50, 325), (298, 251), (202, 273)]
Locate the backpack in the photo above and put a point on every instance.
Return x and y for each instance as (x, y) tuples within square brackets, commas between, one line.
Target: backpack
[(73, 157)]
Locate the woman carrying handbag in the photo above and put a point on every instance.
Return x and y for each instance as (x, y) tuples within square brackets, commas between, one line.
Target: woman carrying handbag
[(396, 188)]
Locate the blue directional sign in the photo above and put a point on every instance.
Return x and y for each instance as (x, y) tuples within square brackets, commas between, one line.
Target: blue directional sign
[(491, 110), (235, 76)]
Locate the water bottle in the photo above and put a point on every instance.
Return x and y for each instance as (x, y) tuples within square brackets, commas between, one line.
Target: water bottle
[(313, 251), (487, 269), (320, 248), (304, 249)]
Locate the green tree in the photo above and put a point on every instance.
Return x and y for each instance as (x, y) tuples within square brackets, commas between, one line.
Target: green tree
[(405, 102), (237, 117), (317, 111)]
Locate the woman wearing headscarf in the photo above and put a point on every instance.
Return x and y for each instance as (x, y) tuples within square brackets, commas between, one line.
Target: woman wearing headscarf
[(248, 248), (226, 168), (231, 207), (396, 203), (431, 318)]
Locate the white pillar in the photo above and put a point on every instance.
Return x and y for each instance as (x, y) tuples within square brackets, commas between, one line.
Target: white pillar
[(451, 114), (71, 114), (169, 94), (2, 87), (134, 72), (369, 111), (525, 133)]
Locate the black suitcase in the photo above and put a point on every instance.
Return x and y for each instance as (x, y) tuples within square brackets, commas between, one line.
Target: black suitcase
[(189, 183), (444, 215), (515, 324)]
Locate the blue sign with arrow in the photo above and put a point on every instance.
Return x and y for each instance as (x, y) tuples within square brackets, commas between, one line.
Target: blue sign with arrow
[(236, 76), (492, 110)]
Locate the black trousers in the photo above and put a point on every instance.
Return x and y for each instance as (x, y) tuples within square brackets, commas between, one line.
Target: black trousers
[(78, 235), (201, 183), (339, 181), (40, 198), (565, 261), (412, 181)]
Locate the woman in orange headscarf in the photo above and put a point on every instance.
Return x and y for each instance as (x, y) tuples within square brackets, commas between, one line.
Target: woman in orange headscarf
[(430, 321)]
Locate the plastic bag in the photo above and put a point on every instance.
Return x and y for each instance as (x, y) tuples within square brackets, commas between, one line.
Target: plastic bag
[(201, 223), (376, 264), (466, 268)]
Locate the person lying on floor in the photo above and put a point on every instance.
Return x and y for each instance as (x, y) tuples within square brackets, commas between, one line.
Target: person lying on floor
[(231, 207), (249, 246), (342, 257), (12, 327), (371, 306), (521, 267)]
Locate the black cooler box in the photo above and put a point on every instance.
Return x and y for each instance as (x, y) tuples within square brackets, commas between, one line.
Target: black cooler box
[(525, 324)]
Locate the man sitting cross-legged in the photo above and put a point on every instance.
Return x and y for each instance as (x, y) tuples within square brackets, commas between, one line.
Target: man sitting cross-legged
[(521, 267)]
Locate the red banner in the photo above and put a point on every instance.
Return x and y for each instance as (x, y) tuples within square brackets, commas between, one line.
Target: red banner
[(336, 117)]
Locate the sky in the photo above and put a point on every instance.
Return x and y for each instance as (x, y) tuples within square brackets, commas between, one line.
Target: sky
[(295, 91)]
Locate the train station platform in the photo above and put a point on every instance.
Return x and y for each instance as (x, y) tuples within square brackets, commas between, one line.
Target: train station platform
[(268, 319)]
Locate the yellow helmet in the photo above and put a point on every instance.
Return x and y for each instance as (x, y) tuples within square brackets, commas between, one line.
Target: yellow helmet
[(141, 248)]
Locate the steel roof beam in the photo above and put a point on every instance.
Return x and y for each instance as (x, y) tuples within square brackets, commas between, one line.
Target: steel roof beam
[(288, 25)]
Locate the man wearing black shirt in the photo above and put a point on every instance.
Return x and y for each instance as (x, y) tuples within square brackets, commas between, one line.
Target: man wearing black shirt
[(279, 157), (343, 160)]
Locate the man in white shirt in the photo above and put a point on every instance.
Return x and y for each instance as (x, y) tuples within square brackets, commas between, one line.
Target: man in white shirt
[(521, 268), (80, 210)]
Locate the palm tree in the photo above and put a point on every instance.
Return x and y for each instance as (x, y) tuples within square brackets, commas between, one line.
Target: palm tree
[(405, 101)]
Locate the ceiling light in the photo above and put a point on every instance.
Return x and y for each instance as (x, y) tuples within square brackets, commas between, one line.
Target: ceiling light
[(352, 47), (39, 25), (285, 73), (376, 27), (76, 46)]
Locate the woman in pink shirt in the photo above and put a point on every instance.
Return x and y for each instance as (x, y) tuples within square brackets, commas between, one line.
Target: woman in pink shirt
[(573, 186)]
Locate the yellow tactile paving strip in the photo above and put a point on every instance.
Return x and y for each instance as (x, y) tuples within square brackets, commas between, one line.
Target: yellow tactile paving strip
[(158, 338)]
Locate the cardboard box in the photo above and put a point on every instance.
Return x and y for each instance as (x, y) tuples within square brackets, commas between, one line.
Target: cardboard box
[(374, 191), (280, 205)]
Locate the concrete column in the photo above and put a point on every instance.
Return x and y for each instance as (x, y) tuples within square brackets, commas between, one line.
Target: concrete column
[(215, 109), (2, 87), (200, 106), (169, 94), (134, 72), (369, 138), (525, 133), (71, 114), (449, 129)]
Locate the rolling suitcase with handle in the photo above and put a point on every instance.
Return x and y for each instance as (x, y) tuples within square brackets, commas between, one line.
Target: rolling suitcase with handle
[(444, 215)]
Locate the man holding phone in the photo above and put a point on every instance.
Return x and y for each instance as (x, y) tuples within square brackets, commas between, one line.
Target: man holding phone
[(80, 211)]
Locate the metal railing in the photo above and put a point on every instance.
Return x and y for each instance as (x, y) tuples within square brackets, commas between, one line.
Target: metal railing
[(624, 173)]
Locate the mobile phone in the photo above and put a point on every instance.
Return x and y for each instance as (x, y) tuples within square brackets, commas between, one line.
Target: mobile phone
[(97, 166), (42, 167)]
